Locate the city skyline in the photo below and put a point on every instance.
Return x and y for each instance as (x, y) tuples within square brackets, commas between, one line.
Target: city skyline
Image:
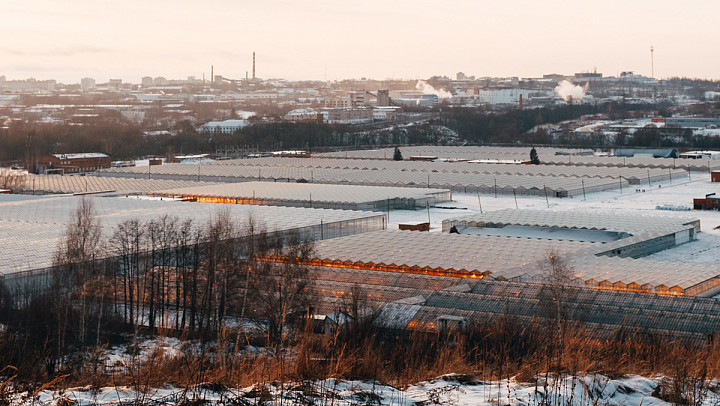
[(325, 40)]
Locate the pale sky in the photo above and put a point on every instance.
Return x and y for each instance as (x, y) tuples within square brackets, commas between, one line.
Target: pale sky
[(335, 39)]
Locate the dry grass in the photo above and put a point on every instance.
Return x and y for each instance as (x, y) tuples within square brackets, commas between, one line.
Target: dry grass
[(496, 351)]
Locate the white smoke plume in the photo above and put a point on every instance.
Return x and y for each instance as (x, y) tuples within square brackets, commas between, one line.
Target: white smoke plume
[(568, 91), (427, 89)]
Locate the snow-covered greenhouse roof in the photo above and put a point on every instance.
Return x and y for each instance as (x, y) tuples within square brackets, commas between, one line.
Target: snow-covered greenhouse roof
[(463, 253), (632, 224), (317, 195), (95, 184), (458, 176), (513, 258), (33, 225), (553, 156)]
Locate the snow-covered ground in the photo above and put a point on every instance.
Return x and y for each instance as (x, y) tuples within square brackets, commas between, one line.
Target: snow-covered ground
[(590, 389), (446, 390)]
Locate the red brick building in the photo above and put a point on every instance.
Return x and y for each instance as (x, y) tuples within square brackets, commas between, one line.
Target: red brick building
[(709, 202), (74, 163)]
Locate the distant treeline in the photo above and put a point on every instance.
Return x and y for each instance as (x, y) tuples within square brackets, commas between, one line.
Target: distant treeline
[(125, 141)]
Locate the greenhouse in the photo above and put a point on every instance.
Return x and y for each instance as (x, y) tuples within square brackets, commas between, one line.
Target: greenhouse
[(517, 259), (438, 253), (630, 224), (33, 225), (551, 156), (459, 177), (345, 197), (622, 235), (54, 184), (421, 302)]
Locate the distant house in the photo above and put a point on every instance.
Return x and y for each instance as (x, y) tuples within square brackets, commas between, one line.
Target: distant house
[(331, 323), (223, 127), (73, 163)]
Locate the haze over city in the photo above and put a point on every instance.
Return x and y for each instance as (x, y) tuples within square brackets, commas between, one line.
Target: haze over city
[(333, 40)]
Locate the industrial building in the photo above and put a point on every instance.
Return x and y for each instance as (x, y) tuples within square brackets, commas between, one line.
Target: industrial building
[(73, 163), (224, 127), (711, 201), (349, 116), (700, 155), (344, 197)]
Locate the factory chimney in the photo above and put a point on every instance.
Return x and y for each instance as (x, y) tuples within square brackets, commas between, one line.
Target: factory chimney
[(212, 74), (253, 65)]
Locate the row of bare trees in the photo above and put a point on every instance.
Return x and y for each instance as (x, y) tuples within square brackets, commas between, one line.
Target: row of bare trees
[(172, 275)]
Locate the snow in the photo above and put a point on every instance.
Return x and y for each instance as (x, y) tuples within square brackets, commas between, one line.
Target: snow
[(122, 356), (445, 390), (198, 160)]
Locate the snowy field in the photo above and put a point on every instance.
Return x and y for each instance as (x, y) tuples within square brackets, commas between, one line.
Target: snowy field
[(675, 194), (590, 389)]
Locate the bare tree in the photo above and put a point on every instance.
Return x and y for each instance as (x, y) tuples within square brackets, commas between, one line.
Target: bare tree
[(220, 266), (253, 233), (12, 179), (73, 267), (279, 283), (126, 242), (557, 274), (556, 270)]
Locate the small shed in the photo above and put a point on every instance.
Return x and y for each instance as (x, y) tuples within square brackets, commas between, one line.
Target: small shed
[(415, 226)]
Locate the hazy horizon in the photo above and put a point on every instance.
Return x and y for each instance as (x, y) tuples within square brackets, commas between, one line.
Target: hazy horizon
[(323, 39)]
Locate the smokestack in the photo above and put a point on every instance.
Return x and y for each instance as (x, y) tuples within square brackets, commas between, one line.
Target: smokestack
[(253, 65), (521, 102), (212, 74)]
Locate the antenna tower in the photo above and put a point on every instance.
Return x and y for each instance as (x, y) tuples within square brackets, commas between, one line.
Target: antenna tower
[(652, 62)]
